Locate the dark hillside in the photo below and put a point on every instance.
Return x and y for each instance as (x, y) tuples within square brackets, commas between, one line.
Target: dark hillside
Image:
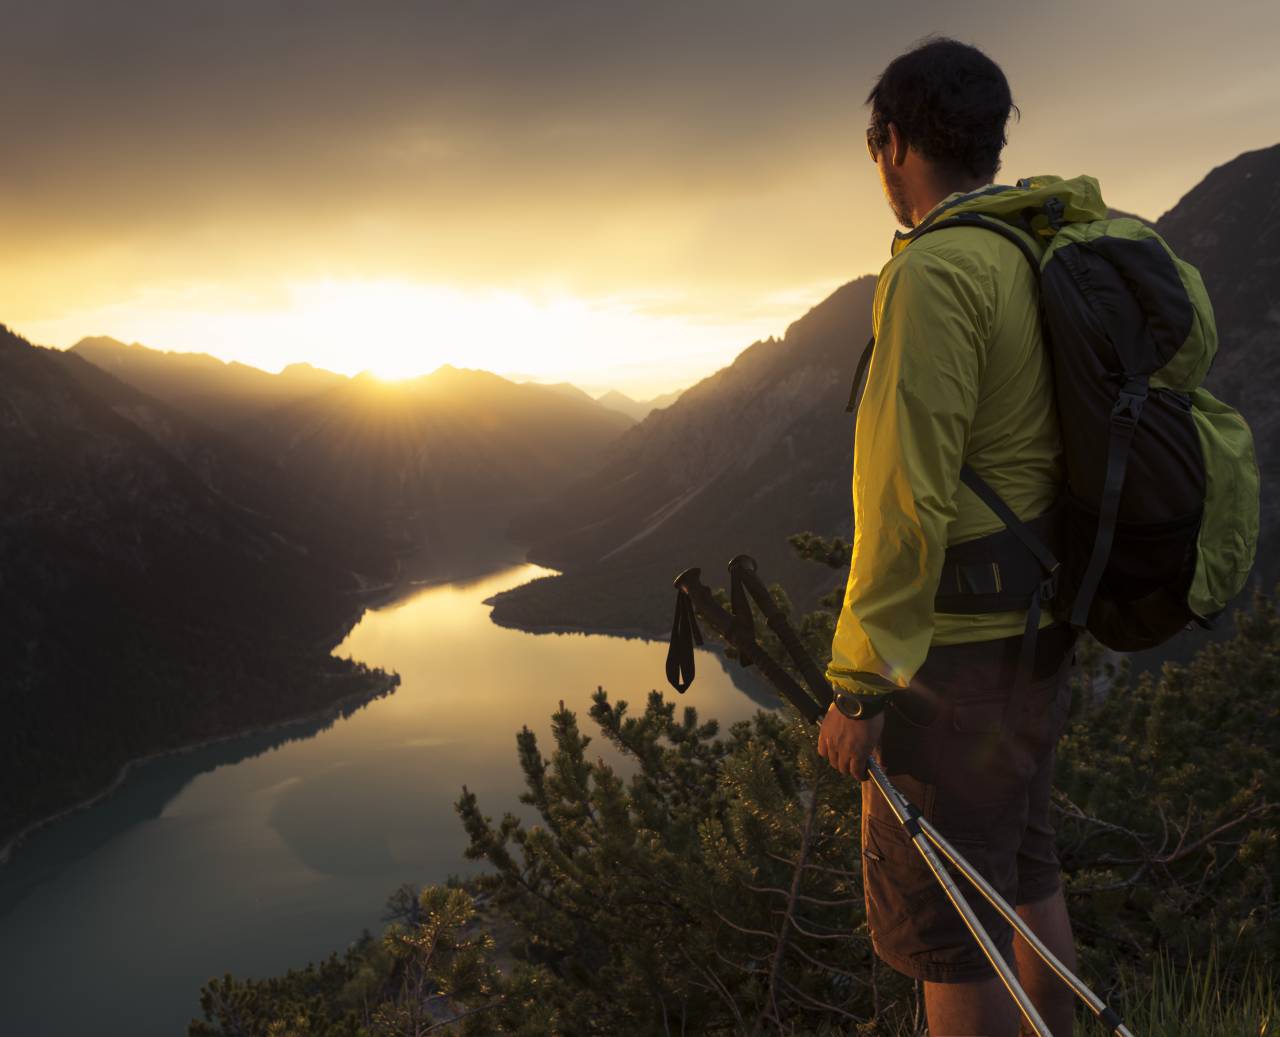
[(435, 466), (742, 459), (428, 460), (235, 471), (139, 609)]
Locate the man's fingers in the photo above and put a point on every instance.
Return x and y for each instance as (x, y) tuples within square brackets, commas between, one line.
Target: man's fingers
[(834, 758), (849, 745)]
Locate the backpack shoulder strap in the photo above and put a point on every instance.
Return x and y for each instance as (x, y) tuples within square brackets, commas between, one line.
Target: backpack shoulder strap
[(863, 362), (964, 219), (969, 219)]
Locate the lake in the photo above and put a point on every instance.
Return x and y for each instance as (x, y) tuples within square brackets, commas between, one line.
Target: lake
[(262, 853)]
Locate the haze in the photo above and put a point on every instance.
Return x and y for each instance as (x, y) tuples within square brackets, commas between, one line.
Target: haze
[(620, 195)]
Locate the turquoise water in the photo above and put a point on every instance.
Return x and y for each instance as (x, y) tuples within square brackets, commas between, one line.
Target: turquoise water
[(262, 853)]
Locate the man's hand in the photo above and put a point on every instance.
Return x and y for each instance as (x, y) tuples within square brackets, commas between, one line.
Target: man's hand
[(848, 744)]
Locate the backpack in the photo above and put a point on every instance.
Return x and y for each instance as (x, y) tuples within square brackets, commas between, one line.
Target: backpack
[(1158, 521)]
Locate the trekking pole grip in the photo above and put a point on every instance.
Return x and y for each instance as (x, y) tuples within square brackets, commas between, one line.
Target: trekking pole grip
[(690, 582)]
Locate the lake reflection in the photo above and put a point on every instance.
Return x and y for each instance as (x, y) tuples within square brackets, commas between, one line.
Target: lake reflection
[(266, 852)]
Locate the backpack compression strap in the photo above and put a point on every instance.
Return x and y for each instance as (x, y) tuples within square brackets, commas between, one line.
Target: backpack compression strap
[(1124, 420)]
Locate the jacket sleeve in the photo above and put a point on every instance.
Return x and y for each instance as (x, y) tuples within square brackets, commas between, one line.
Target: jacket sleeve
[(932, 322)]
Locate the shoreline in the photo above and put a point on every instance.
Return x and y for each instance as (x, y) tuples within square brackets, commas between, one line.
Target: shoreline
[(365, 598), (561, 628), (332, 711)]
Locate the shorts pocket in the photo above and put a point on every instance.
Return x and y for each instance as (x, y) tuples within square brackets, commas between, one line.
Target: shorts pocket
[(908, 911), (982, 716), (896, 878), (1042, 716)]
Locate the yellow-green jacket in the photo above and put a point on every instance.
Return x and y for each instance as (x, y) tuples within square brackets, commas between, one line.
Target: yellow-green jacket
[(960, 373)]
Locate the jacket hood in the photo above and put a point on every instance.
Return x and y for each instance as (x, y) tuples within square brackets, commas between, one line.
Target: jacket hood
[(1038, 205)]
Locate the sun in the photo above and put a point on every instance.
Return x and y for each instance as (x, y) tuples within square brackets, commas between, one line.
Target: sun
[(399, 329)]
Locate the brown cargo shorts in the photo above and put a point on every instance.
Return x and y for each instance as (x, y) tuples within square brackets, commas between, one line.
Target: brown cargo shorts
[(981, 772)]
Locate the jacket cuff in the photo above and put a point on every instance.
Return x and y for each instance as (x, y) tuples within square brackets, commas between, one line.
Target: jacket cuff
[(861, 682)]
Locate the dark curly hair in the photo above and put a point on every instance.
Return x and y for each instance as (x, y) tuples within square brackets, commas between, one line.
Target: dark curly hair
[(950, 101)]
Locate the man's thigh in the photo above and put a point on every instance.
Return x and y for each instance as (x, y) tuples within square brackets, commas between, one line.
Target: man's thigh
[(979, 773)]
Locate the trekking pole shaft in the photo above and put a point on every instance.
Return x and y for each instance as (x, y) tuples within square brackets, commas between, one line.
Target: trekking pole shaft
[(911, 821), (707, 607), (1099, 1007), (745, 566)]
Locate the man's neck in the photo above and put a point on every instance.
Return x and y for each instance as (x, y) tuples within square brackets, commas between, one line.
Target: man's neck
[(933, 193)]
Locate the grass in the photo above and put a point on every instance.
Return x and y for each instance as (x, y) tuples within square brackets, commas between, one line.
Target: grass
[(1207, 999), (1200, 1001)]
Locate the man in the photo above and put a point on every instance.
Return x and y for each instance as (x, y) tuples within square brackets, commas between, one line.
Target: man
[(960, 374)]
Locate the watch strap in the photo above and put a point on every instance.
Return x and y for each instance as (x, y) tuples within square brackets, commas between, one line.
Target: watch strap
[(858, 706)]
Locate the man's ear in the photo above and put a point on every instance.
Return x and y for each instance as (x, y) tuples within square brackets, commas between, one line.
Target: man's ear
[(897, 145)]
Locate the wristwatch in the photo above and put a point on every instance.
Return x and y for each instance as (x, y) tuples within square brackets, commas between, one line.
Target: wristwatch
[(859, 707)]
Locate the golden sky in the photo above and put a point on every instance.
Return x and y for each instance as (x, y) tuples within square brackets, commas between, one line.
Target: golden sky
[(620, 194)]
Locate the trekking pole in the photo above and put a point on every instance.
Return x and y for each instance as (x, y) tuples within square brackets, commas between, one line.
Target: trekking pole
[(738, 632), (689, 582), (743, 570)]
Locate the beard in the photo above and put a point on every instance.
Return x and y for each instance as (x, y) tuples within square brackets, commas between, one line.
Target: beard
[(896, 193)]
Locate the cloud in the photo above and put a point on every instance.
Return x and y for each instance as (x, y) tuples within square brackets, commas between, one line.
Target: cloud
[(708, 153)]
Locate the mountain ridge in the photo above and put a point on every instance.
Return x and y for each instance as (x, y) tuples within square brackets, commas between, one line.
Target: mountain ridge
[(622, 523), (745, 457), (432, 465), (136, 597)]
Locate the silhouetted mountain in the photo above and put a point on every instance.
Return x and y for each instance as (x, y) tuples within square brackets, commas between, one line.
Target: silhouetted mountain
[(240, 474), (665, 400), (636, 409), (1228, 226), (223, 395), (140, 608), (563, 388), (454, 454), (434, 465), (761, 449), (623, 404), (1116, 214), (745, 457)]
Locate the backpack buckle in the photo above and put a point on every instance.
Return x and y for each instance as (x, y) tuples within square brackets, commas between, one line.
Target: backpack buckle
[(1128, 405), (1049, 585), (1055, 212)]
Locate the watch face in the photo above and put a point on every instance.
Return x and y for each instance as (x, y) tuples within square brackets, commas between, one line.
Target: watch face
[(849, 705)]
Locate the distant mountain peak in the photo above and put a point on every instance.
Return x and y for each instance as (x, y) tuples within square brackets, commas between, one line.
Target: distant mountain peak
[(104, 341), (633, 408)]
